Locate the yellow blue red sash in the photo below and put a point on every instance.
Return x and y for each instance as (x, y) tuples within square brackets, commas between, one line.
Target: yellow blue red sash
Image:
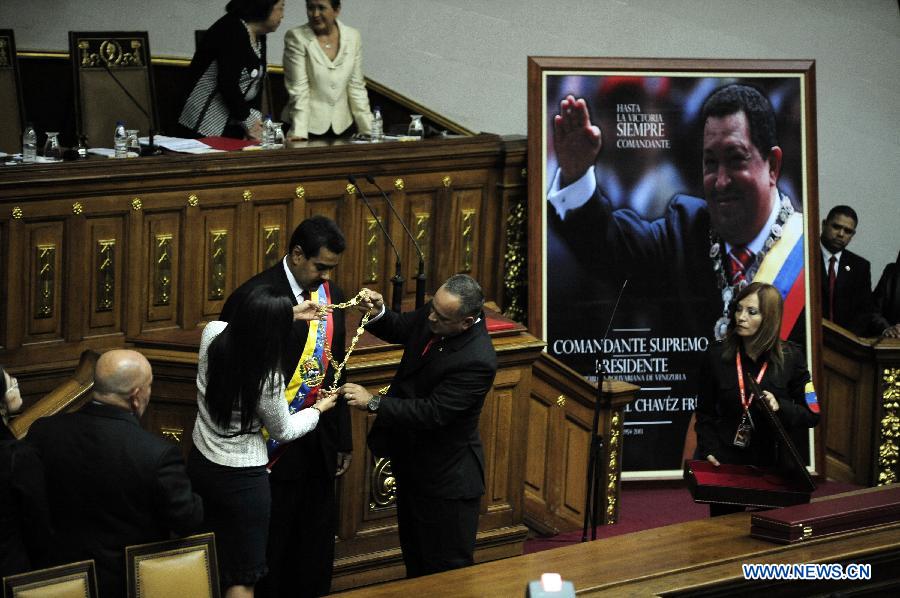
[(303, 388), (784, 269)]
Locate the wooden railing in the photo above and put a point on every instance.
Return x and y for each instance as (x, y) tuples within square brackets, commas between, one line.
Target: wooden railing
[(861, 406)]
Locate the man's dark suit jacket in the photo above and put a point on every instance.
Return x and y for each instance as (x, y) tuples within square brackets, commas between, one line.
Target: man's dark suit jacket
[(428, 421), (318, 448), (110, 484), (886, 295), (668, 256), (853, 305)]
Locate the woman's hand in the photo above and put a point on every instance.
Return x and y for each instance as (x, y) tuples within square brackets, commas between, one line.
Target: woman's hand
[(254, 131), (325, 401), (308, 311), (769, 398), (713, 460)]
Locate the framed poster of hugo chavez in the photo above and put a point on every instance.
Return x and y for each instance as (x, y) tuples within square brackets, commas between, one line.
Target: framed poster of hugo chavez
[(626, 182)]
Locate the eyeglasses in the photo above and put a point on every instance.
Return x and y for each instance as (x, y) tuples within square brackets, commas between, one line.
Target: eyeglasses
[(13, 386)]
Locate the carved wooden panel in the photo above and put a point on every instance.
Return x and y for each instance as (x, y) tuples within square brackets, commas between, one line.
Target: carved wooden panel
[(496, 431), (108, 251), (217, 260), (272, 235), (420, 219), (163, 243), (44, 277)]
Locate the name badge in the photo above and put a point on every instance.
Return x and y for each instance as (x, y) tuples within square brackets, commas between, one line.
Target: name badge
[(744, 431)]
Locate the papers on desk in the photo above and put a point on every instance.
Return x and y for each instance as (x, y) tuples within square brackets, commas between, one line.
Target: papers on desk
[(180, 145)]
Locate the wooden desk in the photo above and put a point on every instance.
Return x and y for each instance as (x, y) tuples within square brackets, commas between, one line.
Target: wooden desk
[(696, 558), (93, 253)]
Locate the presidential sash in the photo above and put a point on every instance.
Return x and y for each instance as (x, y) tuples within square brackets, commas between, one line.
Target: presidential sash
[(783, 268), (303, 388)]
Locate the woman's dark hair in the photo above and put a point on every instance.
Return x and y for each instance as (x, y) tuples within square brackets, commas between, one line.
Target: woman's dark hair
[(767, 337), (251, 10), (246, 355)]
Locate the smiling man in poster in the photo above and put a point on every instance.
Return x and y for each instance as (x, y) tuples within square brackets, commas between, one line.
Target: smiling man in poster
[(686, 262)]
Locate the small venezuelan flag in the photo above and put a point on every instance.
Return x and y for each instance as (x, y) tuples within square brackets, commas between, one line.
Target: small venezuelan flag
[(811, 401)]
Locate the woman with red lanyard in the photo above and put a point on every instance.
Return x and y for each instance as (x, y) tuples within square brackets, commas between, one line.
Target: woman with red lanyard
[(730, 429)]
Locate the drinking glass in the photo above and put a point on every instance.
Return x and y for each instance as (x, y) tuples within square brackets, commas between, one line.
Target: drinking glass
[(276, 135), (52, 151), (132, 143), (416, 128)]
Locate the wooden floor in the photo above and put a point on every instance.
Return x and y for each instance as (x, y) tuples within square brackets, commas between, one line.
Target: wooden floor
[(698, 557)]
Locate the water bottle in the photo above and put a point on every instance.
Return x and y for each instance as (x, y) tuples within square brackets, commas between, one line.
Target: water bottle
[(266, 140), (29, 145), (377, 125), (120, 140)]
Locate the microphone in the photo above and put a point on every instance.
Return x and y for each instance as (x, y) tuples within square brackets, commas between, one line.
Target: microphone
[(152, 150), (420, 277), (396, 304)]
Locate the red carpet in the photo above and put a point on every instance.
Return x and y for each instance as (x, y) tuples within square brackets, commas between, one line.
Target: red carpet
[(648, 505)]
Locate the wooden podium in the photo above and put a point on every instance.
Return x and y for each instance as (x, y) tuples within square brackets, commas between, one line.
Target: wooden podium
[(861, 406)]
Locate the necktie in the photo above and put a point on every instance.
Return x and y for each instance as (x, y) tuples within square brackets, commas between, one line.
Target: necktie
[(740, 260), (430, 342), (832, 277)]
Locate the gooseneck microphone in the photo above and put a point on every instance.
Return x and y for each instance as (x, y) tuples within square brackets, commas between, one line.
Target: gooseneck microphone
[(397, 299), (420, 277), (152, 150)]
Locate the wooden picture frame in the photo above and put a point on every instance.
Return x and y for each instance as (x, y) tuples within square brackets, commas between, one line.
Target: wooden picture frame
[(649, 113)]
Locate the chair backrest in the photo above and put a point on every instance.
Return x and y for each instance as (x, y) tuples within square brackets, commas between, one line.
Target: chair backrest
[(75, 580), (12, 108), (71, 395), (104, 65), (174, 568)]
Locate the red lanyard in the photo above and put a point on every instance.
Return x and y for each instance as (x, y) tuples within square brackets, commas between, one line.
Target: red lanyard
[(740, 377)]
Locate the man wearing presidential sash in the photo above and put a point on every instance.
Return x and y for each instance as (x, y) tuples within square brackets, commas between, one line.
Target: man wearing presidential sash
[(702, 251), (304, 518)]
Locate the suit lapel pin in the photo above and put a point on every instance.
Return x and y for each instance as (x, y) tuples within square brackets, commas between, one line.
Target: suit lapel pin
[(847, 268)]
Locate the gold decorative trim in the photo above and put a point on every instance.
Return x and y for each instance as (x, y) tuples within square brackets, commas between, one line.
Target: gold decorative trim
[(467, 237), (106, 275), (247, 195), (218, 264), (399, 185), (300, 192), (384, 485), (136, 204), (524, 173), (100, 53), (371, 256), (561, 400), (193, 200), (17, 213), (162, 270), (46, 270), (422, 232), (351, 189), (612, 467), (446, 181), (174, 434), (890, 427), (272, 241), (515, 262), (77, 208)]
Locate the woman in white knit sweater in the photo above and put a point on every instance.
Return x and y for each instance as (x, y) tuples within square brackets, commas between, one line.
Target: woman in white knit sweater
[(240, 390)]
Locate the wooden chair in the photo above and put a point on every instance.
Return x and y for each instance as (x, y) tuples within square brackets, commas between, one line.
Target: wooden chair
[(174, 568), (75, 580), (71, 395), (12, 107), (113, 81)]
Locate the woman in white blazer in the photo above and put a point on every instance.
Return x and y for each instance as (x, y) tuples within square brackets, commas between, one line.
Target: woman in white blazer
[(323, 75)]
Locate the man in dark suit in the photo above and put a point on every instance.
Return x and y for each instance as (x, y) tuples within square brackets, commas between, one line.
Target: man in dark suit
[(846, 277), (110, 483), (304, 517), (427, 423)]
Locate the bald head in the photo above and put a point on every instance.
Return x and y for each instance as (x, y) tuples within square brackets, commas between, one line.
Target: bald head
[(122, 378)]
